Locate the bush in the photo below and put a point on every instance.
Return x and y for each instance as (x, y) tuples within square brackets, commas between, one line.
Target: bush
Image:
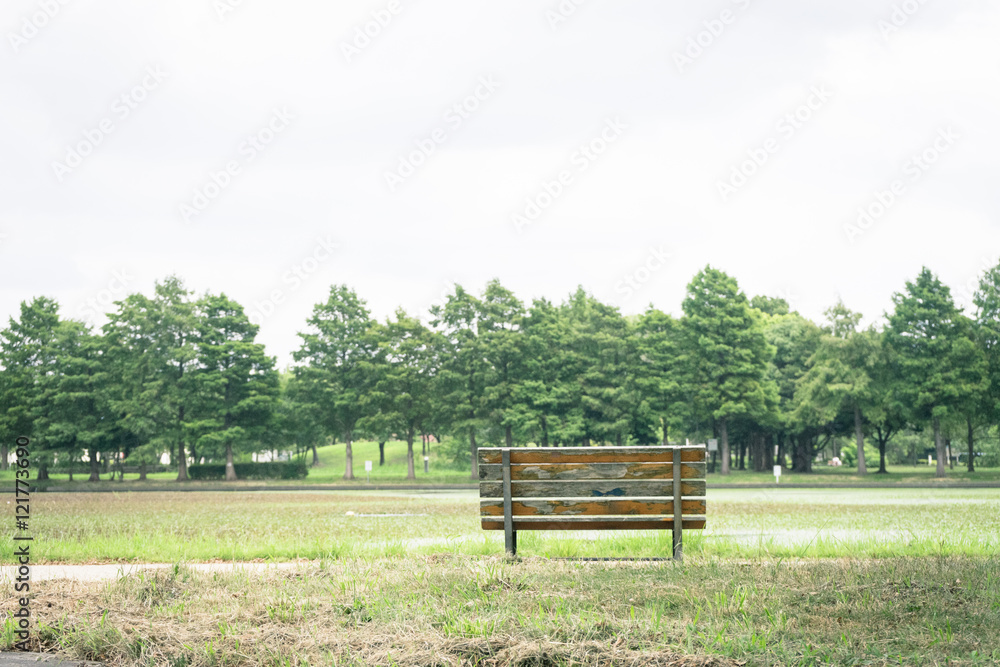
[(270, 470)]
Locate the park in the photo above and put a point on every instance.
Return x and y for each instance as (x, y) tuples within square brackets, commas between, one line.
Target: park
[(498, 484)]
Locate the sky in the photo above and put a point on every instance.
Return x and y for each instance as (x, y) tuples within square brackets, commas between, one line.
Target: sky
[(267, 150)]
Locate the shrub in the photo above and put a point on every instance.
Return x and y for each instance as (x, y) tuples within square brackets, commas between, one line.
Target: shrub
[(270, 470)]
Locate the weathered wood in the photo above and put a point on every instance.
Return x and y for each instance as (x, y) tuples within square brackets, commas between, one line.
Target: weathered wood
[(543, 507), (658, 454), (594, 489), (587, 523), (579, 471)]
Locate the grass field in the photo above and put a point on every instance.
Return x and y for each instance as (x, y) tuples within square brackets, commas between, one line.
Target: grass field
[(450, 609), (443, 471), (780, 577), (759, 523)]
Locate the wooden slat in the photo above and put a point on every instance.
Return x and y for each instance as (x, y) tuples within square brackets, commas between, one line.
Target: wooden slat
[(488, 455), (586, 523), (571, 471), (593, 489), (544, 507)]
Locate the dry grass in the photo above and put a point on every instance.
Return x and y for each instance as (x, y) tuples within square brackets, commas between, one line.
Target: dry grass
[(449, 609)]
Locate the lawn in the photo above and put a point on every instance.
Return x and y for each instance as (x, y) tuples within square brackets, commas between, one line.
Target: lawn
[(743, 523), (444, 471), (453, 609), (780, 577)]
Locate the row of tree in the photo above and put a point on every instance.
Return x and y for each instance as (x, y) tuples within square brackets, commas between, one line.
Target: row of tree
[(184, 375)]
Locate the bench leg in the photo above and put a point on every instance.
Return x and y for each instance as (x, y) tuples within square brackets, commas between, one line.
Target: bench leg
[(510, 542), (678, 508), (678, 545)]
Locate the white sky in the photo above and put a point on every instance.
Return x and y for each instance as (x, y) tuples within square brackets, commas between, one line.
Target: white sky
[(655, 189)]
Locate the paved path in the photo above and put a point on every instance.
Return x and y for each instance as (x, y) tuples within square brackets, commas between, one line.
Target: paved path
[(115, 571), (8, 659)]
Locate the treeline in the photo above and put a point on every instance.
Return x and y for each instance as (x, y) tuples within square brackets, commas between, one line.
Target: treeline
[(179, 374)]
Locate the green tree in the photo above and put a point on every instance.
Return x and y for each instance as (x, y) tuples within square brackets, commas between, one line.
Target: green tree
[(339, 352), (459, 387), (499, 329), (726, 342), (944, 369), (987, 333), (407, 348), (27, 347), (663, 371), (237, 385)]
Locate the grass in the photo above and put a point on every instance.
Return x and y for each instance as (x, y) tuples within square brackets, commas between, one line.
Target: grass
[(451, 609), (758, 523), (444, 471)]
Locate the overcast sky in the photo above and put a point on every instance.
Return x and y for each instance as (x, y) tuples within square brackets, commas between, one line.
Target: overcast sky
[(270, 149)]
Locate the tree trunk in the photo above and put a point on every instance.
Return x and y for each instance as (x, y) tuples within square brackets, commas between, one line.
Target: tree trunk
[(194, 454), (881, 457), (142, 471), (349, 456), (474, 451), (410, 474), (860, 437), (666, 442), (95, 473), (545, 432), (947, 449), (43, 472), (315, 463), (71, 468), (423, 444), (508, 435), (724, 433), (381, 453), (230, 469), (182, 466), (4, 455), (971, 442), (939, 448), (586, 442)]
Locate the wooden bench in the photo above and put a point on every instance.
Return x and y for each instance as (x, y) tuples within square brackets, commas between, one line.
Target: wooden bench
[(592, 488)]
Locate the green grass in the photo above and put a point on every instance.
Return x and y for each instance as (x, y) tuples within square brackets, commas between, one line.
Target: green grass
[(450, 609), (771, 523), (443, 471)]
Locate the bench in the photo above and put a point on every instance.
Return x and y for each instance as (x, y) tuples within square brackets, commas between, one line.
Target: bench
[(592, 488)]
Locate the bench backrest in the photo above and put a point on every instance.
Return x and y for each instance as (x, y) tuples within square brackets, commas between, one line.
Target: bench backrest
[(588, 488)]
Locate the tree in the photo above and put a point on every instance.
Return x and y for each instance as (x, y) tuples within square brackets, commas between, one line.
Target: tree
[(987, 333), (943, 367), (176, 382), (407, 348), (663, 371), (339, 352), (838, 378), (238, 384), (499, 329), (459, 388), (729, 351), (72, 410), (27, 347)]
